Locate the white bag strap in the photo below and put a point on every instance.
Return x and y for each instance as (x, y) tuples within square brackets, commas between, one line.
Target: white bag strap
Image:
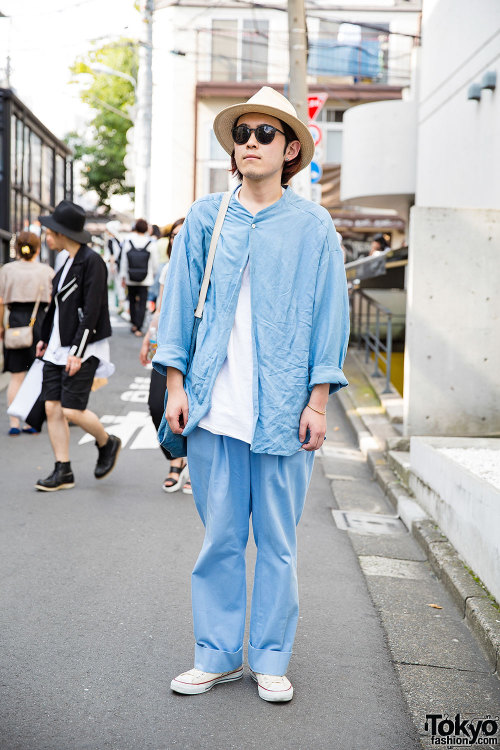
[(211, 253)]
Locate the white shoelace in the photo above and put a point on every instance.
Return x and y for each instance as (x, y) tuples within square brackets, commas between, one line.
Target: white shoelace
[(273, 682)]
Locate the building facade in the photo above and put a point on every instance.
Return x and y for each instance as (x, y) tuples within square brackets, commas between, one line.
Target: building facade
[(36, 169), (440, 161), (207, 57)]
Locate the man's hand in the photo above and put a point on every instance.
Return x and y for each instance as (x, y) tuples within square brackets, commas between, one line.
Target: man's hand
[(2, 332), (177, 410), (316, 423), (41, 348), (73, 365)]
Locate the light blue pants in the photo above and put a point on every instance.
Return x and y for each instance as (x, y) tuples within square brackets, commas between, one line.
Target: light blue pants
[(230, 482)]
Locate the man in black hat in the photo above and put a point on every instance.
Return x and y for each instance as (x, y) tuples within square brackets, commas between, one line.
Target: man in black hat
[(75, 345)]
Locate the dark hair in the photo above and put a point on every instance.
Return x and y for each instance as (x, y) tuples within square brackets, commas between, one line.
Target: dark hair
[(140, 226), (155, 231), (381, 240), (290, 168), (27, 245), (171, 238)]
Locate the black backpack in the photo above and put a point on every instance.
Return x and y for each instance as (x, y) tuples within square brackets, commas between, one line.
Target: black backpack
[(138, 262)]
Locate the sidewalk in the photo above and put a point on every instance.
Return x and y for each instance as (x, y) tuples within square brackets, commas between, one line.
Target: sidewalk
[(97, 620)]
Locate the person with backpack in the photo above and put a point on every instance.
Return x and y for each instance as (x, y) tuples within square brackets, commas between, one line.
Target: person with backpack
[(138, 266)]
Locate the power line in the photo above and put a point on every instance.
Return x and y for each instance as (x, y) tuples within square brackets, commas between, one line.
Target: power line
[(363, 24), (67, 7)]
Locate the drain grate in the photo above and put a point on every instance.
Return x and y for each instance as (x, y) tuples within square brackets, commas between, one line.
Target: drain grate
[(368, 523)]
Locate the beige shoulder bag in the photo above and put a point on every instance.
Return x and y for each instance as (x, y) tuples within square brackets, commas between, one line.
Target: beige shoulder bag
[(22, 337)]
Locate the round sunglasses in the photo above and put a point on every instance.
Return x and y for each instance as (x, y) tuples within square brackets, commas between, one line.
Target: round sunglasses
[(264, 134)]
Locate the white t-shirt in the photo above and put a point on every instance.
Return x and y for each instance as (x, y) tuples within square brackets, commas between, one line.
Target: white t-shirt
[(163, 274), (58, 354), (231, 411)]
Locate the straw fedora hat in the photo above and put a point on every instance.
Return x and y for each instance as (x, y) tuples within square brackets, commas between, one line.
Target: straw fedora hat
[(266, 101)]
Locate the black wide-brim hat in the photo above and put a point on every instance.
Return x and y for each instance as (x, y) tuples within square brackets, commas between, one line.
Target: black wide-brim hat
[(68, 219)]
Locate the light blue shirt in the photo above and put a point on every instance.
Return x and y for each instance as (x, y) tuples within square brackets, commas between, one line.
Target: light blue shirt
[(300, 310)]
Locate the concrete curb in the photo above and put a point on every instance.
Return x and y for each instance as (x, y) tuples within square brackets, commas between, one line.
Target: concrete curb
[(472, 600)]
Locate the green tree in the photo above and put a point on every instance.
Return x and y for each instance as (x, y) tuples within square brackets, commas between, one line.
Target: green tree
[(102, 148)]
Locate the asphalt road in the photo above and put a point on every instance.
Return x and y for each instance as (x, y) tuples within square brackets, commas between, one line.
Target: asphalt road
[(96, 619)]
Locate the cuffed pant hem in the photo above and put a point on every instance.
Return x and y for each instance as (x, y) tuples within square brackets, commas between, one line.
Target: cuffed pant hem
[(266, 661), (215, 661)]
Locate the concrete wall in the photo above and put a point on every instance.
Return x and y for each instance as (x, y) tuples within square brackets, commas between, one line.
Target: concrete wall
[(379, 154), (458, 141), (452, 356), (451, 359), (464, 505)]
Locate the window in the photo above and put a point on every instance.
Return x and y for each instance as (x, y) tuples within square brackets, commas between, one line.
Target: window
[(224, 50), (331, 120), (217, 153), (333, 153), (216, 166), (349, 50), (36, 165), (239, 50), (47, 174), (26, 162), (218, 180), (60, 175), (69, 179), (254, 48), (19, 152)]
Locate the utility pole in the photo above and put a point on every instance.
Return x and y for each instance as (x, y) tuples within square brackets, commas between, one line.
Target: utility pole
[(144, 114), (297, 46)]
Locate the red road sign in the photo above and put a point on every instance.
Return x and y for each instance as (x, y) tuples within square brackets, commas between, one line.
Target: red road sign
[(315, 104), (315, 132)]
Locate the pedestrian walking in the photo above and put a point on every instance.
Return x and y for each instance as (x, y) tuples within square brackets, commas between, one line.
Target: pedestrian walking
[(114, 253), (252, 402), (178, 475), (75, 345), (25, 288), (139, 263)]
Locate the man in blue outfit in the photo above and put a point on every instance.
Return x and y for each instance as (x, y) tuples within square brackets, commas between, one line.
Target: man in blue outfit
[(252, 403)]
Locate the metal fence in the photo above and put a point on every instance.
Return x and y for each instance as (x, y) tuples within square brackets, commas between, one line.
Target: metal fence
[(372, 330)]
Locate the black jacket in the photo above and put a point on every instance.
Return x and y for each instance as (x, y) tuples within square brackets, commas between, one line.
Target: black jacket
[(82, 302)]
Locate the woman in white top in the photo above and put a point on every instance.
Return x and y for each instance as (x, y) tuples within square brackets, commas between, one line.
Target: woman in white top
[(22, 283), (139, 262), (178, 476)]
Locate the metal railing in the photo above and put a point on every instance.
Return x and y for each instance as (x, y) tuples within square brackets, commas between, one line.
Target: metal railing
[(370, 339)]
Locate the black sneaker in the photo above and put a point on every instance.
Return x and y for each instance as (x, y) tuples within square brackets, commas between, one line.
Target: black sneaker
[(61, 478), (107, 457)]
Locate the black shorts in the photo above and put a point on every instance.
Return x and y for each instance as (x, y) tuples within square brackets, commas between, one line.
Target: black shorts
[(73, 392)]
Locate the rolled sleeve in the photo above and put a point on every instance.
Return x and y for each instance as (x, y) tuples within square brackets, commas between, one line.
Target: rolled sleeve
[(330, 326), (180, 296)]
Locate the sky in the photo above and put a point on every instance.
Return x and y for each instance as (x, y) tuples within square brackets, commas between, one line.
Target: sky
[(43, 38)]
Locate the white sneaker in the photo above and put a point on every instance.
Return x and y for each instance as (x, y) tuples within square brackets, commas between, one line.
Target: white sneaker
[(195, 681), (273, 687)]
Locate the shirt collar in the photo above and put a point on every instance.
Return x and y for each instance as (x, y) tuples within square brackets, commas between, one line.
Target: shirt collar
[(277, 206)]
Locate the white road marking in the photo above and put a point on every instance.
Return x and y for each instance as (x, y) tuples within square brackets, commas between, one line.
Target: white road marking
[(126, 426), (139, 391)]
